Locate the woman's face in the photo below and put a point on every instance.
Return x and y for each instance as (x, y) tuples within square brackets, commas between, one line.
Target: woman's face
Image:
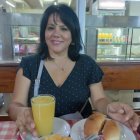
[(57, 35)]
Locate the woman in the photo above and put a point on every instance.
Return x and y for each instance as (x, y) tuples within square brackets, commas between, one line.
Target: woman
[(71, 77)]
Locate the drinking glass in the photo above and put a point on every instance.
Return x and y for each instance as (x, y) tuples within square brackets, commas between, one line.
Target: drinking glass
[(43, 108)]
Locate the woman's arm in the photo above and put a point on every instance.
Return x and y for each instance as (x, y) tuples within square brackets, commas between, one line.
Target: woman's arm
[(98, 98), (20, 94), (18, 109), (116, 110)]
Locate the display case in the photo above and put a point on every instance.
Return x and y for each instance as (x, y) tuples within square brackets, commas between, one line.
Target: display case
[(112, 43), (134, 46), (113, 38), (19, 35), (25, 40), (118, 44)]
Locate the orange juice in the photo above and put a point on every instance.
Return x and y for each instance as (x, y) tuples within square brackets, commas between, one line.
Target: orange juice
[(43, 108)]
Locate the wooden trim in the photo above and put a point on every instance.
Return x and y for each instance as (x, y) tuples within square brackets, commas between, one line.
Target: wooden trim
[(5, 118), (7, 78), (123, 76)]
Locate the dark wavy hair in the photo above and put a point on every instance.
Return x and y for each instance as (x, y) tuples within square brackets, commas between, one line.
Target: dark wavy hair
[(70, 19)]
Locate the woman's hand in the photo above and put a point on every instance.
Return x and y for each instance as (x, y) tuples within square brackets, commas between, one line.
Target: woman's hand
[(25, 122), (124, 114)]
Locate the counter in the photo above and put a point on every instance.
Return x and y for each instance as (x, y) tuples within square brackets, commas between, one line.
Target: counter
[(7, 63)]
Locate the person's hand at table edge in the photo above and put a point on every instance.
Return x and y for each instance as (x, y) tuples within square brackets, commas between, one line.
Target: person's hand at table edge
[(124, 114)]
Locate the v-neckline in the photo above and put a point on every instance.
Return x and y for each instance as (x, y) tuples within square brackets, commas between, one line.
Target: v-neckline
[(69, 75)]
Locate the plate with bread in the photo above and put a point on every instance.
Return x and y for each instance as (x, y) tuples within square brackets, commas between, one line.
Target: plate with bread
[(98, 124)]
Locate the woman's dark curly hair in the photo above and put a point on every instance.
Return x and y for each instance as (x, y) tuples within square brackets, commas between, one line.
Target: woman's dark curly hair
[(70, 19)]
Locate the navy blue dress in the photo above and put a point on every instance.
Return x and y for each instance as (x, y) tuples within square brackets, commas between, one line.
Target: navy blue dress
[(74, 92)]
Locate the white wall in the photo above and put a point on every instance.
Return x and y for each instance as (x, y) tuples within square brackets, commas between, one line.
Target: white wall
[(134, 8)]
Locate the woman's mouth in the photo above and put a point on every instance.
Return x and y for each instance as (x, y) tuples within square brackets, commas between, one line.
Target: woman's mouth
[(56, 42)]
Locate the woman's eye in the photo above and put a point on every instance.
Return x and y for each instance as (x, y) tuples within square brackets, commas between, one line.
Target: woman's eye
[(64, 29), (50, 28)]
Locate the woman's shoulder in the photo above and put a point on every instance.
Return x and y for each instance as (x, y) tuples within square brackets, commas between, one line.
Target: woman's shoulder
[(86, 58), (31, 58), (30, 65), (31, 61)]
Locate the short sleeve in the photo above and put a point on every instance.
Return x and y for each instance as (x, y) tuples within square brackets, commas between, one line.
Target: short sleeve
[(30, 65), (95, 73), (25, 65)]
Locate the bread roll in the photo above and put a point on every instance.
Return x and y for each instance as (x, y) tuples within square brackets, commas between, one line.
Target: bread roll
[(93, 123), (111, 130), (99, 124)]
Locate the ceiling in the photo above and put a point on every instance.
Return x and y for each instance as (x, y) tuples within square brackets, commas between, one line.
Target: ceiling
[(32, 6), (43, 3), (38, 6)]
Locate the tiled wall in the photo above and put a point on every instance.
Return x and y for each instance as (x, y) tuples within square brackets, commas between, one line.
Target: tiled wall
[(125, 96)]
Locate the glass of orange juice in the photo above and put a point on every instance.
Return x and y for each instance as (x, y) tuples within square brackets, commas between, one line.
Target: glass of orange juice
[(43, 109)]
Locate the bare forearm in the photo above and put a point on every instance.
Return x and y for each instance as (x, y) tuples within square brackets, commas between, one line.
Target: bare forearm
[(101, 105), (14, 109)]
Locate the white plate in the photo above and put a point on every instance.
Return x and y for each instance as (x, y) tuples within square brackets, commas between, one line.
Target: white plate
[(60, 127), (77, 131)]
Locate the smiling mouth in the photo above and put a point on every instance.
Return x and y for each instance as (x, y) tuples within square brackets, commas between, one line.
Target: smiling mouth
[(56, 42)]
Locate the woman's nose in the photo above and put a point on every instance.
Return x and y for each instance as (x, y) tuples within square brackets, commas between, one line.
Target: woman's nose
[(56, 32)]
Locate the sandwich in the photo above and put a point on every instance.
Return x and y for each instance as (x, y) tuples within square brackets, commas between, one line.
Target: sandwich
[(99, 124)]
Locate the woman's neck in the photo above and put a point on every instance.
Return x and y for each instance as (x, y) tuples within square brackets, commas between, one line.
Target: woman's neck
[(59, 57)]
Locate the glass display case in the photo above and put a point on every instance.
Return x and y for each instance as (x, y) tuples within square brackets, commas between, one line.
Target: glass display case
[(118, 44), (134, 46), (112, 43), (19, 35), (115, 38), (25, 40)]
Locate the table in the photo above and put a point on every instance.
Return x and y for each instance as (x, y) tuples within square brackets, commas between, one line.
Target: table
[(7, 131)]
